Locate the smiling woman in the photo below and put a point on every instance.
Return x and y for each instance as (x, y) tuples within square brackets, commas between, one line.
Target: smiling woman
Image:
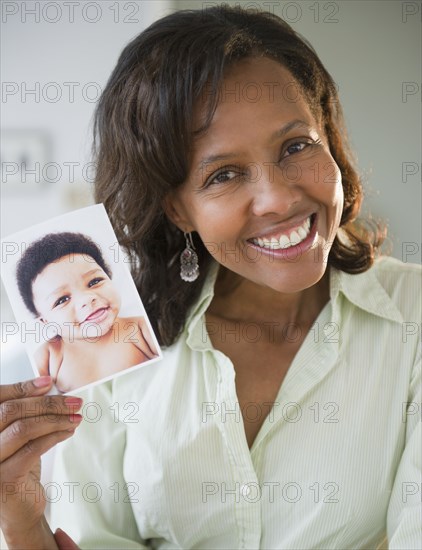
[(281, 176), (264, 59), (283, 412)]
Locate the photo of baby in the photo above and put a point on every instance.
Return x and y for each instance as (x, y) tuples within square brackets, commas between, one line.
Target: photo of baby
[(67, 286), (63, 279)]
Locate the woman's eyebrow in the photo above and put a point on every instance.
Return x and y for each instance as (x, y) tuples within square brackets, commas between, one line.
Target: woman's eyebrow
[(214, 158), (288, 127), (292, 125)]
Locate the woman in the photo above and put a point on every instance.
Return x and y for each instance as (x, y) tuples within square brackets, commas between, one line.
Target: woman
[(283, 412)]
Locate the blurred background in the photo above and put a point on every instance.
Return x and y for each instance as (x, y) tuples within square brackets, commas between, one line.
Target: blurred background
[(56, 58)]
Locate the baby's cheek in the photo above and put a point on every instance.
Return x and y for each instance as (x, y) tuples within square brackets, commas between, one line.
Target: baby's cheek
[(112, 296), (118, 301)]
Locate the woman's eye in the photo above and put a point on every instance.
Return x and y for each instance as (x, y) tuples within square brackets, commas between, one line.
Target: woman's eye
[(222, 177), (299, 146), (61, 301), (95, 281), (296, 147)]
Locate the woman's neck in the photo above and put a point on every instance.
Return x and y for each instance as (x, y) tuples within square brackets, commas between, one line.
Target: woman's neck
[(239, 299)]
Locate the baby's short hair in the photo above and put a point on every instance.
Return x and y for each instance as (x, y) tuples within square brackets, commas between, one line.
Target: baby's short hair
[(47, 250)]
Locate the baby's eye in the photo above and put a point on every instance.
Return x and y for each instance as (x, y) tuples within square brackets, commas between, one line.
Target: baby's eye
[(95, 281), (61, 301)]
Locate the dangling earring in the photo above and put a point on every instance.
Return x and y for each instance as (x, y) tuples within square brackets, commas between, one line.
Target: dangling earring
[(189, 269)]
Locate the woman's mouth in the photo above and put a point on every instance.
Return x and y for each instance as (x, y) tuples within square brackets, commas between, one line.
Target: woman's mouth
[(287, 239)]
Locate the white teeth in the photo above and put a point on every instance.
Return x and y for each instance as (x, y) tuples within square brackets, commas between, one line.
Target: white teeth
[(285, 241), (294, 238), (302, 233)]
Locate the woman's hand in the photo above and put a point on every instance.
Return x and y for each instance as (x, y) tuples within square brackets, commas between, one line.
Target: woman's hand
[(63, 541), (31, 423)]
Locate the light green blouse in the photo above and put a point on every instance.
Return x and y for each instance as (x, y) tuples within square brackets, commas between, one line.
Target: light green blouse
[(162, 460)]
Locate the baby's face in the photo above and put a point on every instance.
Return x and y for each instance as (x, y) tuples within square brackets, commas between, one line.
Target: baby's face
[(75, 293)]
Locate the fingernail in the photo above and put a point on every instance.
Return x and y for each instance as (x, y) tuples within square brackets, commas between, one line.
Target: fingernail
[(75, 418), (73, 402), (42, 381)]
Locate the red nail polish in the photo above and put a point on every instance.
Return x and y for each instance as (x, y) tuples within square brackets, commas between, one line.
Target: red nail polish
[(73, 402)]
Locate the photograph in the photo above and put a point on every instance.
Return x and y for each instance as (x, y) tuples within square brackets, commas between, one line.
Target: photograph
[(255, 382), (83, 321)]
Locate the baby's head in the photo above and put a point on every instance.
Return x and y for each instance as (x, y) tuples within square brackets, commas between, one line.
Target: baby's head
[(64, 279)]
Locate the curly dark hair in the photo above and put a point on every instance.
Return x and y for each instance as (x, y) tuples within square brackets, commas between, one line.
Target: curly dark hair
[(47, 250), (143, 131)]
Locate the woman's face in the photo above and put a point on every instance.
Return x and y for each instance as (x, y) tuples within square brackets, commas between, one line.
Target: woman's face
[(263, 191)]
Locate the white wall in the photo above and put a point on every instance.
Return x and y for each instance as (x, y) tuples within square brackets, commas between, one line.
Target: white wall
[(65, 54), (78, 52)]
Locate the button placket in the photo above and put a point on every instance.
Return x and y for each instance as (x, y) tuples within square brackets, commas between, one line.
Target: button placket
[(247, 498)]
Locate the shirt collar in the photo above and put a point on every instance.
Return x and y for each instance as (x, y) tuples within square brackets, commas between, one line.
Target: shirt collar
[(363, 290), (204, 300)]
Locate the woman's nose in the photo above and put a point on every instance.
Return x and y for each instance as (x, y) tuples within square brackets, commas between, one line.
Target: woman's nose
[(275, 191)]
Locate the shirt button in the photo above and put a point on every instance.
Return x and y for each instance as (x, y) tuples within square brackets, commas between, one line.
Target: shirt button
[(245, 490)]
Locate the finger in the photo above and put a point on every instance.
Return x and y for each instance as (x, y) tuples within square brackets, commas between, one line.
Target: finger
[(28, 455), (37, 386), (22, 431), (44, 407), (63, 541)]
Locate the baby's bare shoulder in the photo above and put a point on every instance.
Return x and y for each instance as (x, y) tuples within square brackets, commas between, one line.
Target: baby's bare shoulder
[(131, 322), (42, 351), (53, 345), (45, 353)]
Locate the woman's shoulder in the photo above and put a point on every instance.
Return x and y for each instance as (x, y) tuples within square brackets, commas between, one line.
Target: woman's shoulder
[(390, 290), (394, 275), (389, 264), (402, 282)]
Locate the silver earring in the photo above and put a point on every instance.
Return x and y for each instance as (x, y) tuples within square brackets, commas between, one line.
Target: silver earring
[(189, 268)]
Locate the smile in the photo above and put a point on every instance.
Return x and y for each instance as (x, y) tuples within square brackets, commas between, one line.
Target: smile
[(97, 315), (287, 239)]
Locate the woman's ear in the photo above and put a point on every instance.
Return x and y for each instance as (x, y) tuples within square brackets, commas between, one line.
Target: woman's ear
[(175, 212)]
